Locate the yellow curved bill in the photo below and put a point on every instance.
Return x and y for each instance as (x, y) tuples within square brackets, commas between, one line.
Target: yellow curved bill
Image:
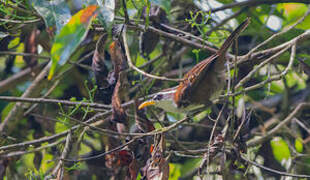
[(146, 103)]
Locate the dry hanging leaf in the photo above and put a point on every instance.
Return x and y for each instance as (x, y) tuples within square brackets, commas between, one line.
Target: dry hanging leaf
[(158, 166), (31, 46), (118, 57), (4, 162), (156, 15), (118, 113), (147, 43), (148, 40), (98, 65), (119, 61), (133, 170)]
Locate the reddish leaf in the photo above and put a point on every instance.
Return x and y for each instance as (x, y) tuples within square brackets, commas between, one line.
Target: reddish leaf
[(125, 157)]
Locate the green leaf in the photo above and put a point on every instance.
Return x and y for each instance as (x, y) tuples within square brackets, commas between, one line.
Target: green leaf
[(225, 1), (47, 161), (305, 25), (298, 145), (54, 13), (280, 149), (28, 160), (106, 12), (293, 11), (189, 166), (6, 111), (60, 127), (174, 171), (70, 36)]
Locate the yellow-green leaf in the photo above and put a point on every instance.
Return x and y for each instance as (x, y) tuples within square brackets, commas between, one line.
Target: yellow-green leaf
[(70, 36), (293, 12), (298, 145), (280, 149)]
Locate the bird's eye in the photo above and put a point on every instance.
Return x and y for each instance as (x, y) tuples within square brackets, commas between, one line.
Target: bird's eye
[(158, 97)]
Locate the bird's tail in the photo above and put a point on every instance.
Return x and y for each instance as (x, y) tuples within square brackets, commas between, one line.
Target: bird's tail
[(234, 35)]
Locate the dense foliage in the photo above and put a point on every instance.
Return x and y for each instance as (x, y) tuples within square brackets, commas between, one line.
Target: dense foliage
[(73, 73)]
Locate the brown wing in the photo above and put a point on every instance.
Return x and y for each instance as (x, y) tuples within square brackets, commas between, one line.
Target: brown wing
[(192, 79)]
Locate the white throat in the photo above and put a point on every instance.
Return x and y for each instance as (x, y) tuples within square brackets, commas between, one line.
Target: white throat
[(169, 106)]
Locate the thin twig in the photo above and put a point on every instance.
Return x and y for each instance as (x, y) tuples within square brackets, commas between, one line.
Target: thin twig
[(301, 124), (55, 84), (207, 158), (64, 154), (137, 69), (125, 12), (19, 153), (281, 32), (224, 21), (273, 170), (250, 3), (174, 37), (273, 78), (103, 154), (268, 52), (20, 21), (54, 101), (23, 54), (51, 138), (273, 131), (33, 90), (152, 133), (186, 34), (17, 78), (251, 73)]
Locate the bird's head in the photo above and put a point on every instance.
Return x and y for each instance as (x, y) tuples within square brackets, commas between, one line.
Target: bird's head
[(163, 100)]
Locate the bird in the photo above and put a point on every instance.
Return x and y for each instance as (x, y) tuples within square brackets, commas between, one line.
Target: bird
[(200, 85)]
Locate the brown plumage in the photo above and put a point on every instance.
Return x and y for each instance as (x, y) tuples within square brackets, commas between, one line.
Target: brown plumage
[(206, 78), (200, 85)]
